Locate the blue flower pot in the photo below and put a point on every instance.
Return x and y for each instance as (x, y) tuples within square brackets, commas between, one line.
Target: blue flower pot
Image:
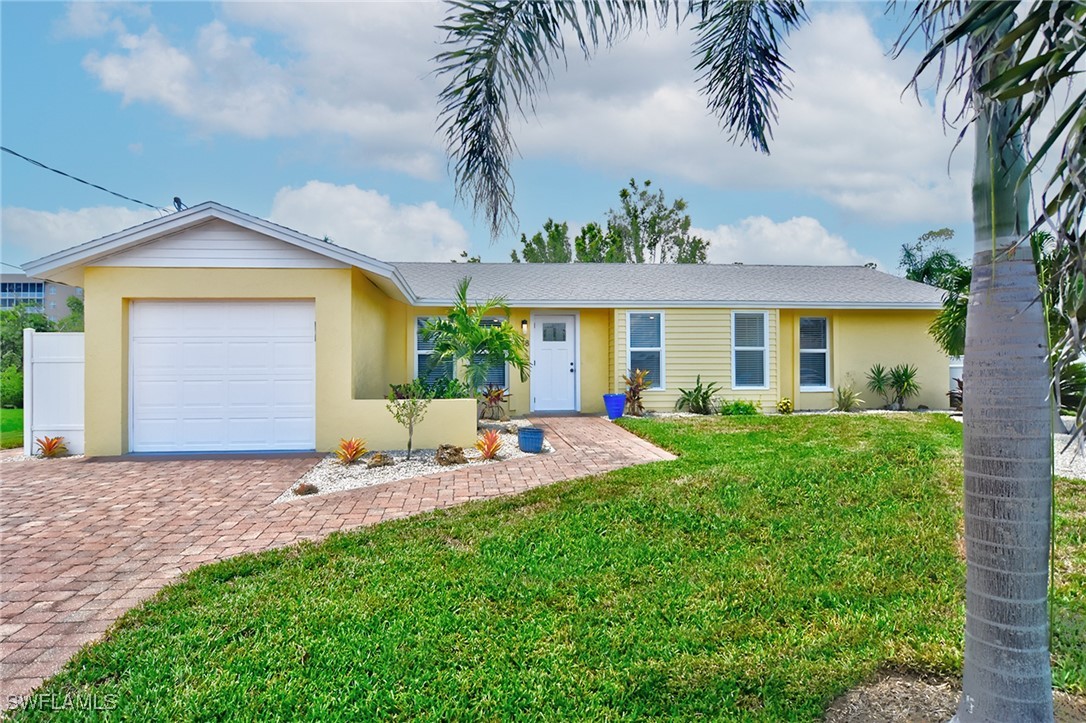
[(530, 439), (615, 404)]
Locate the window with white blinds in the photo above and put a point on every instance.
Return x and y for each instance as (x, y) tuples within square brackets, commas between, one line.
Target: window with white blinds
[(814, 353), (750, 344), (496, 373), (645, 345), (425, 366)]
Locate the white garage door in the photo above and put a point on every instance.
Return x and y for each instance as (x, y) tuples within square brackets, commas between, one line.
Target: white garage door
[(210, 376)]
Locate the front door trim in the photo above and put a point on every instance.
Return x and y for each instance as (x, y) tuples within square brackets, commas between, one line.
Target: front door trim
[(539, 316)]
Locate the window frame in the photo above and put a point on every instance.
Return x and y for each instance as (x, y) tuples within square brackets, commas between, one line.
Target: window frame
[(827, 387), (505, 366), (764, 348), (417, 351), (660, 349)]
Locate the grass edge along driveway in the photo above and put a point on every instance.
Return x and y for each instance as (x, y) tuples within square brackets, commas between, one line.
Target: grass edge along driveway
[(11, 428), (777, 563)]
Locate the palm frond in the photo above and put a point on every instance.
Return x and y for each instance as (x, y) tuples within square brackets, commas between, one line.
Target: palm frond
[(498, 57), (741, 63), (499, 54)]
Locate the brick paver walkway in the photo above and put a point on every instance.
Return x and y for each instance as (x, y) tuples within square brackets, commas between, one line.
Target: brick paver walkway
[(84, 541)]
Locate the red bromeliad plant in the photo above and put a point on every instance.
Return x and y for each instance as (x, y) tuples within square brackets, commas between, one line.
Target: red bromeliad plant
[(492, 396), (489, 444), (350, 450), (636, 382), (51, 446)]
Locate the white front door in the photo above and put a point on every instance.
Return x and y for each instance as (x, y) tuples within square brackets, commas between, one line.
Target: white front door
[(554, 362), (222, 376)]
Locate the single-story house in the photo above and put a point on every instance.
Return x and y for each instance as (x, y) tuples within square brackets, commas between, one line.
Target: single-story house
[(213, 330)]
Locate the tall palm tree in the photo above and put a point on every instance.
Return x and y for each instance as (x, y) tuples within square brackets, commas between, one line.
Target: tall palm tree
[(469, 335), (1014, 66)]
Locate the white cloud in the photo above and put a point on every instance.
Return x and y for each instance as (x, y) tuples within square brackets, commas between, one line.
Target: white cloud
[(352, 71), (760, 240), (30, 234), (848, 133), (369, 222), (361, 73)]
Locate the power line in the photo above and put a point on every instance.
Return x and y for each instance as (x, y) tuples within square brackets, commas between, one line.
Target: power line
[(76, 178)]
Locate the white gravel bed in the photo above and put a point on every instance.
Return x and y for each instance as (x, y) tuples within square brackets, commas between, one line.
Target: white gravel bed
[(331, 476), (36, 458)]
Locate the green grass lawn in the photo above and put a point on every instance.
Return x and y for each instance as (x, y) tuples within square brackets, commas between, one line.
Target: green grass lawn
[(11, 428), (779, 562)]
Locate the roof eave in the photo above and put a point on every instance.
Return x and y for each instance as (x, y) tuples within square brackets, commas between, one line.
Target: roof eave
[(714, 304)]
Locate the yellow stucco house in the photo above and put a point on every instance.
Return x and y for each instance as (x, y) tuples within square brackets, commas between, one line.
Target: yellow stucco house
[(213, 330)]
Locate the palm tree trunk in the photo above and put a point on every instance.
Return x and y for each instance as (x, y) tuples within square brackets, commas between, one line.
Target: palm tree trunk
[(1008, 438)]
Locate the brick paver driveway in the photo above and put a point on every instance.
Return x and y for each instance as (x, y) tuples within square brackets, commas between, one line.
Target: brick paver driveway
[(84, 541)]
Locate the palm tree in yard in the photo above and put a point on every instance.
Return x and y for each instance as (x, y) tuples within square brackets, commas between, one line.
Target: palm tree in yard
[(1013, 67), (472, 336)]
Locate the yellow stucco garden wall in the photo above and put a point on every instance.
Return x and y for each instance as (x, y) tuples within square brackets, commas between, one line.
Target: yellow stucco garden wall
[(347, 307)]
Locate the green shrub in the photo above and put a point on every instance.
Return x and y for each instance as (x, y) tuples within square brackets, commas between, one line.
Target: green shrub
[(739, 408), (1073, 386), (11, 388), (846, 399), (784, 406), (895, 385), (698, 400), (437, 389)]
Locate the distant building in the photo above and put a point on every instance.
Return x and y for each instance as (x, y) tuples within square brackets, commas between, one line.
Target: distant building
[(46, 297)]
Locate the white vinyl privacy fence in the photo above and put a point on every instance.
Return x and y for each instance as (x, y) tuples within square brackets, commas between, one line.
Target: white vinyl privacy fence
[(53, 388)]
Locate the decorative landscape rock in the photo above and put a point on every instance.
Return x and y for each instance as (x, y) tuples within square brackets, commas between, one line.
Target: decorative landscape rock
[(380, 459), (448, 454), (305, 488)]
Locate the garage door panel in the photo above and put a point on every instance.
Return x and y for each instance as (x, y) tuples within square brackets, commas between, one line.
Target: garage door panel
[(291, 431), (198, 356), (202, 393), (222, 376), (293, 357), (153, 355)]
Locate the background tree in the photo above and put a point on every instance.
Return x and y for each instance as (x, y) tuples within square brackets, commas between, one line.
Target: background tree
[(550, 246), (653, 231), (645, 228), (596, 246), (12, 323), (1013, 61), (466, 337), (466, 259), (74, 320), (927, 260)]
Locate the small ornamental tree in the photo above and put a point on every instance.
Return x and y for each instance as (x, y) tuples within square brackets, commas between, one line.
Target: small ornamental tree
[(409, 410)]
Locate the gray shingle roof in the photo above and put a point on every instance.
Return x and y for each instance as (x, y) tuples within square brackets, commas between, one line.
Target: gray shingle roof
[(728, 285)]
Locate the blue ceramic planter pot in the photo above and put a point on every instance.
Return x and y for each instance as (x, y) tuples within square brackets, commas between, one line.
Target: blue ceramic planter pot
[(615, 404), (530, 439)]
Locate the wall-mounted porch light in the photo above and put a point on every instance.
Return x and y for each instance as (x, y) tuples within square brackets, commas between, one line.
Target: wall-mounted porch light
[(523, 326)]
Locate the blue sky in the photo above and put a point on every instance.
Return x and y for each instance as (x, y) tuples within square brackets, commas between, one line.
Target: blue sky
[(323, 117)]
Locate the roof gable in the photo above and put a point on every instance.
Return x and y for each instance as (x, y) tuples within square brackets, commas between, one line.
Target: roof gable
[(255, 242)]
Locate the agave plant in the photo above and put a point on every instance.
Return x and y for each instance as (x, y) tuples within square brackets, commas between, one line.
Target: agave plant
[(846, 399), (698, 400)]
